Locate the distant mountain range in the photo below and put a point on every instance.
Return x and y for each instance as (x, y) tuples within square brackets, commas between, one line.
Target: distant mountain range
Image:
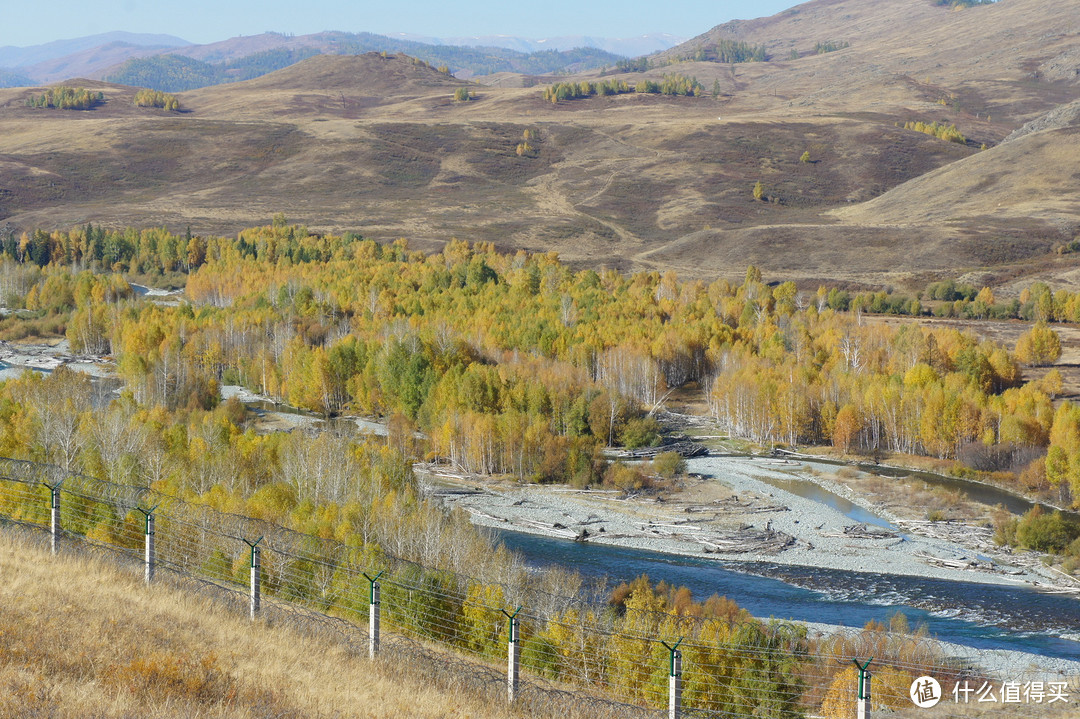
[(627, 47), (18, 57), (153, 60)]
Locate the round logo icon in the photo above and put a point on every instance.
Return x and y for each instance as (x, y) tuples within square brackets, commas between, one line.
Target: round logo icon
[(925, 692)]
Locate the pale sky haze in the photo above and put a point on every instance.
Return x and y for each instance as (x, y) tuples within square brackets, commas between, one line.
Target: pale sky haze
[(33, 22)]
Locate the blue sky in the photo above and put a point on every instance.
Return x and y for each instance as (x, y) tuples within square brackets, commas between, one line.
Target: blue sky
[(32, 22)]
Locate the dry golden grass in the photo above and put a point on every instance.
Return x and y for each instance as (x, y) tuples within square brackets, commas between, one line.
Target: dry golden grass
[(80, 637)]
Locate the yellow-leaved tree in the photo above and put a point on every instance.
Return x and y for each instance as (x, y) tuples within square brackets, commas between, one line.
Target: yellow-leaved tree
[(1038, 347)]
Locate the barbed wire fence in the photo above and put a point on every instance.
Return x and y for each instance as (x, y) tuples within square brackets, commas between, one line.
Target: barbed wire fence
[(455, 630)]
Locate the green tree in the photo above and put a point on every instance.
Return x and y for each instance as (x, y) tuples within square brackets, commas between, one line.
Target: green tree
[(642, 432), (669, 464)]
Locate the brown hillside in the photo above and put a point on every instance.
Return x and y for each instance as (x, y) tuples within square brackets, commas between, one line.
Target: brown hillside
[(1031, 178), (333, 85), (377, 145), (371, 72), (1003, 57)]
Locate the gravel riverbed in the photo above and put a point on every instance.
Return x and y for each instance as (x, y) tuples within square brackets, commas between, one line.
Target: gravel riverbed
[(729, 500)]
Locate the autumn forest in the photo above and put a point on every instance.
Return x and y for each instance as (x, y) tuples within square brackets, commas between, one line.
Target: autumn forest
[(516, 364)]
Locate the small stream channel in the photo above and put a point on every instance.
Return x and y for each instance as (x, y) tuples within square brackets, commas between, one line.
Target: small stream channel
[(979, 492), (809, 490)]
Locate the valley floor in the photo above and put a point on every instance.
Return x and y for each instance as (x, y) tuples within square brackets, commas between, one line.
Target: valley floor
[(735, 509)]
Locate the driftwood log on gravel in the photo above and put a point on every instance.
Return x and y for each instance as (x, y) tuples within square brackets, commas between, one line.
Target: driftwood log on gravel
[(683, 449), (963, 563), (861, 531), (748, 541), (957, 532)]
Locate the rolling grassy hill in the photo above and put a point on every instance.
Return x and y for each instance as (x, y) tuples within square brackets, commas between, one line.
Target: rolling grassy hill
[(378, 145)]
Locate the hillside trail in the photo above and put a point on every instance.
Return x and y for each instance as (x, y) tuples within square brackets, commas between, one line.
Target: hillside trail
[(646, 256), (550, 191), (643, 153), (552, 199)]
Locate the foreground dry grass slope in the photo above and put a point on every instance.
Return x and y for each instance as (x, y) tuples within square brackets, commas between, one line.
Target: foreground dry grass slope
[(377, 144), (79, 638)]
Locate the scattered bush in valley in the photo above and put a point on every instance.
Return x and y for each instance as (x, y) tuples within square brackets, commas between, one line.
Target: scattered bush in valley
[(938, 130), (1040, 530), (669, 465), (829, 46), (530, 143), (576, 90), (63, 97), (1039, 346), (156, 98), (727, 50), (670, 85)]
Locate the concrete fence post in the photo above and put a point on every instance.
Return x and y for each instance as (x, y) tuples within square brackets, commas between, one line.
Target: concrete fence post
[(674, 680), (256, 571), (54, 524), (513, 664), (513, 659), (256, 575), (374, 611), (675, 687), (863, 701), (150, 550)]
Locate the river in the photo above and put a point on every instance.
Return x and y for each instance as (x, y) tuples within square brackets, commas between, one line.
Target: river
[(977, 615)]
